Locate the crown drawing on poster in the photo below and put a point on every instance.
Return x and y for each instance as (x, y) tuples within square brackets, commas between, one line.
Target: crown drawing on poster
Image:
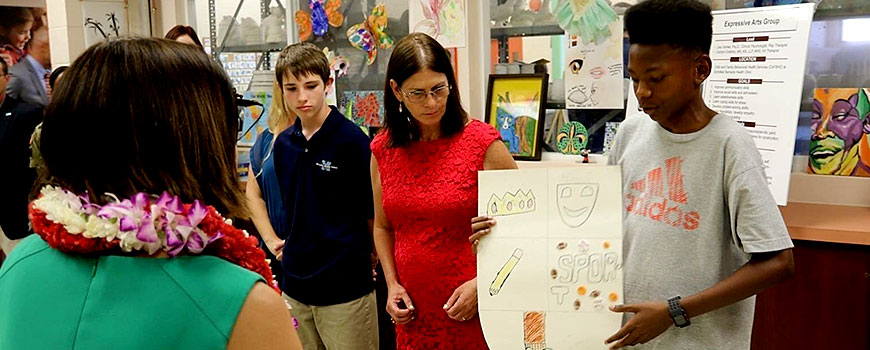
[(511, 203)]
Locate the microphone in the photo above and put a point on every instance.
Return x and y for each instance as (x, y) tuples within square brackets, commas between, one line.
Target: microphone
[(241, 102)]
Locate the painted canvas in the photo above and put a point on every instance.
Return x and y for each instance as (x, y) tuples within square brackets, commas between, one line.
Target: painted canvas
[(364, 108), (103, 20), (553, 265), (593, 72), (516, 110), (443, 20), (840, 139), (254, 118)]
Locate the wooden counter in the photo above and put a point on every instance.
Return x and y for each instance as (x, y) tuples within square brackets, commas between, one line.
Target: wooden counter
[(827, 223)]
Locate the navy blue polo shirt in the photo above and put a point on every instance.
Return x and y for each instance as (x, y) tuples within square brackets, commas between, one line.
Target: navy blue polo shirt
[(326, 186)]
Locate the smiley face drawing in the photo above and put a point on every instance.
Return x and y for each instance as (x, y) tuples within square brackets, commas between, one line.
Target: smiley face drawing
[(575, 202)]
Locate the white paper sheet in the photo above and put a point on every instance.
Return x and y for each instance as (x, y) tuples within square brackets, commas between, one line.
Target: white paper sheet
[(553, 264)]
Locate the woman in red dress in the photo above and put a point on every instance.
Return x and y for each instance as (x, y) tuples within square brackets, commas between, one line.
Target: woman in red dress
[(424, 179)]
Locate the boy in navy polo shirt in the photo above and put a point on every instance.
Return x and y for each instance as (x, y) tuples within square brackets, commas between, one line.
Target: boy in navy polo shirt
[(322, 163)]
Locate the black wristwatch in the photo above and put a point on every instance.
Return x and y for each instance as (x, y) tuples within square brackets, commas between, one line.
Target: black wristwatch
[(678, 314)]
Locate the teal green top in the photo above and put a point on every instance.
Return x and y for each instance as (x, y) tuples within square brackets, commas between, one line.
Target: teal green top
[(53, 300)]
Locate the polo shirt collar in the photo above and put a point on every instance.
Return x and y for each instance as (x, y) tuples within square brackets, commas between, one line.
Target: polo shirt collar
[(333, 120)]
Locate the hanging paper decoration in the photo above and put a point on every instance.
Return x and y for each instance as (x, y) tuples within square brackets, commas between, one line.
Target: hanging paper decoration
[(324, 13), (589, 19), (443, 20), (572, 138), (370, 34), (337, 63)]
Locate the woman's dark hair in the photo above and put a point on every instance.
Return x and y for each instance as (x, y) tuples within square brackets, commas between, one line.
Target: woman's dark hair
[(52, 78), (414, 53), (155, 115), (180, 30)]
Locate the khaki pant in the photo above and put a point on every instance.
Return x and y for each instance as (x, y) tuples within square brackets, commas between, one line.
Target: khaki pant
[(349, 326)]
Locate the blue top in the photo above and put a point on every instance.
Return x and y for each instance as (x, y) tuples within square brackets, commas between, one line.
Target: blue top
[(326, 186), (263, 166)]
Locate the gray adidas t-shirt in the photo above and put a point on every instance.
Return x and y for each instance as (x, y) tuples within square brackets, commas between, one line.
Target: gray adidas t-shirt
[(696, 205)]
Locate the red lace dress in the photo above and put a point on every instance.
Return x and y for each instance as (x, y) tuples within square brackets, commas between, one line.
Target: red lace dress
[(429, 196)]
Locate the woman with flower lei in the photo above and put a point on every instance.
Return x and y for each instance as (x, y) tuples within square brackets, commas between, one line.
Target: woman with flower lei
[(131, 251)]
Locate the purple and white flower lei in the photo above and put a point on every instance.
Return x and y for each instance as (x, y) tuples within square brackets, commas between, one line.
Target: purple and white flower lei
[(142, 222)]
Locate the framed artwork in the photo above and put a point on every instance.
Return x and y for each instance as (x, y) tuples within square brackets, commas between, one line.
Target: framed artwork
[(840, 141), (515, 107)]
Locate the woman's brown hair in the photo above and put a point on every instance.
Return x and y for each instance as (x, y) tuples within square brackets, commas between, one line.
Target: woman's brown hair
[(180, 30), (144, 115), (412, 54)]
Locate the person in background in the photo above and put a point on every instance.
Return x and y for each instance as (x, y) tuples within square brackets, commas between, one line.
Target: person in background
[(30, 76), (424, 180), (122, 168), (17, 120), (264, 196), (15, 25), (35, 155), (322, 166), (702, 233), (184, 34)]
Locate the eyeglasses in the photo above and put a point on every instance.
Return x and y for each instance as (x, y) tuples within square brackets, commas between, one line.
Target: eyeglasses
[(419, 96)]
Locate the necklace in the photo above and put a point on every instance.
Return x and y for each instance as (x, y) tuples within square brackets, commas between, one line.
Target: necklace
[(148, 223)]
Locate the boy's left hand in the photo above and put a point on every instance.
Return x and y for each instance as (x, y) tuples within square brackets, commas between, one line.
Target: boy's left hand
[(650, 320)]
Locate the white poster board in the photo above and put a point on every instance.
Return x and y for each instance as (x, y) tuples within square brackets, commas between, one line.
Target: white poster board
[(444, 20), (759, 58), (553, 263), (593, 72)]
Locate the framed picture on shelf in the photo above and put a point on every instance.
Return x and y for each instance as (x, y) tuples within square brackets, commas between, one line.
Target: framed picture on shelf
[(515, 107)]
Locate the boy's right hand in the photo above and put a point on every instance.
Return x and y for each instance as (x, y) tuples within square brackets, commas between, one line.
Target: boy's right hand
[(399, 304), (480, 226), (276, 247)]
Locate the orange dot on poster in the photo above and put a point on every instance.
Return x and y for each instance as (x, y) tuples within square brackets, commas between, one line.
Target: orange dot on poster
[(535, 5), (613, 297), (581, 290), (606, 245)]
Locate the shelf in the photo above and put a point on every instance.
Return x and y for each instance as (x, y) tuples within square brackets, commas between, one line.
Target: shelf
[(835, 14), (270, 47), (554, 105), (541, 30)]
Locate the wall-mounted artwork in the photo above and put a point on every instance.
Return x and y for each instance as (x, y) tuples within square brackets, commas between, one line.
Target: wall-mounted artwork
[(364, 108), (840, 139), (371, 34), (443, 20), (254, 117), (515, 108), (320, 16), (550, 269), (593, 72), (104, 20)]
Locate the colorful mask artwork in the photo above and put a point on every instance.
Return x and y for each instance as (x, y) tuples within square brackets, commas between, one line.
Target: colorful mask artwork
[(324, 13), (364, 108), (371, 34), (572, 138), (590, 19), (840, 140)]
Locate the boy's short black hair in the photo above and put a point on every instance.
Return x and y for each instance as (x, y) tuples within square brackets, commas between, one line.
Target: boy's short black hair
[(300, 60), (686, 24)]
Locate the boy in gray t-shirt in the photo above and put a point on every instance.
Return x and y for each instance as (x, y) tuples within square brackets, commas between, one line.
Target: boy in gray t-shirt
[(703, 234)]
